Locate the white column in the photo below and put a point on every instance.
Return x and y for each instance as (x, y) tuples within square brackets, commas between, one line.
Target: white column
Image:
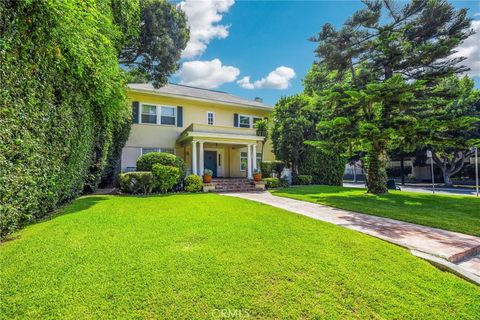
[(249, 162), (201, 164), (254, 160), (194, 157)]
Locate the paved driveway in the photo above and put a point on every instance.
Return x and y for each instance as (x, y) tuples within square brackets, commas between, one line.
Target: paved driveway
[(451, 249)]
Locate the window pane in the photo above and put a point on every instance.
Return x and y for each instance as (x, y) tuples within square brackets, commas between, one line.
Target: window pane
[(148, 150), (244, 122), (210, 118), (168, 120), (243, 161), (149, 114), (167, 150), (255, 119), (167, 111)]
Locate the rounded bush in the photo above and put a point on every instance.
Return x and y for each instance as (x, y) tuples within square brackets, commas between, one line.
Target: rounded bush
[(146, 162), (272, 182), (136, 182), (164, 177), (193, 183), (303, 179)]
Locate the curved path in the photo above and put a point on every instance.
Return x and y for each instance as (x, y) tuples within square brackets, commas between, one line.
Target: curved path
[(455, 251)]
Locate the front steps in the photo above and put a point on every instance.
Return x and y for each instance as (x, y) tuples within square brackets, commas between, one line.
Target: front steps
[(233, 185)]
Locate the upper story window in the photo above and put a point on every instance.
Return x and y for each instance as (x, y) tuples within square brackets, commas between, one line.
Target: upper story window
[(248, 121), (149, 113), (168, 115), (158, 114), (210, 118)]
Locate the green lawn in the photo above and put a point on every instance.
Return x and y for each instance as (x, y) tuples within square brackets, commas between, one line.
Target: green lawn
[(455, 213), (204, 256)]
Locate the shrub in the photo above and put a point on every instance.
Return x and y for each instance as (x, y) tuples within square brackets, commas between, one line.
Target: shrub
[(325, 168), (164, 177), (272, 182), (136, 182), (302, 179), (207, 172), (193, 183), (146, 162), (267, 168)]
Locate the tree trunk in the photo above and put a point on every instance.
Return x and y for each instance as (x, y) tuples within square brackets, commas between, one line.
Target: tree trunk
[(377, 164), (446, 178), (402, 168)]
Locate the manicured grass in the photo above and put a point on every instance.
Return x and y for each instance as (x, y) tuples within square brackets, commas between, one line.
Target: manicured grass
[(204, 255), (455, 213)]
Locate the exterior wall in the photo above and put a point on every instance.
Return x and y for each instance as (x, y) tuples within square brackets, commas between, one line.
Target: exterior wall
[(165, 136)]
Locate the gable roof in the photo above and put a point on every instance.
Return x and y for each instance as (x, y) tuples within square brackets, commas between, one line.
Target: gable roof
[(195, 93)]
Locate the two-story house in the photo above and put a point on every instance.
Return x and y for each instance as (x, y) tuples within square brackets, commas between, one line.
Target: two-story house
[(209, 129)]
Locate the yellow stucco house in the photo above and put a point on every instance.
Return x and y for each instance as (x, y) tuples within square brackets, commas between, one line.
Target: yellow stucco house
[(209, 129)]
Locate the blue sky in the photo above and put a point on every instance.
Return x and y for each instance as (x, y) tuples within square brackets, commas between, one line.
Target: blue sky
[(267, 41)]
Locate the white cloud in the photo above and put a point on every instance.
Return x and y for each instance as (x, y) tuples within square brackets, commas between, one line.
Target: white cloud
[(277, 79), (477, 14), (203, 18), (470, 49), (207, 74)]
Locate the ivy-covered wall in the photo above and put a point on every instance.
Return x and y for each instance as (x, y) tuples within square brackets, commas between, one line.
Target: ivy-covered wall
[(62, 95)]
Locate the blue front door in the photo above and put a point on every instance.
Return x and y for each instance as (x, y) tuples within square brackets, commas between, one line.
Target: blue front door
[(210, 161)]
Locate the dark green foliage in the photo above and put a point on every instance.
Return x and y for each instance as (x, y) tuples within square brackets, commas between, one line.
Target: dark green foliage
[(267, 168), (146, 162), (302, 179), (387, 59), (137, 182), (324, 167), (193, 183), (62, 92), (154, 52), (164, 177), (272, 182)]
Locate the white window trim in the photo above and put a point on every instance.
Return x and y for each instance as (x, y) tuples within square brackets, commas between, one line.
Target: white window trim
[(213, 118), (250, 121), (243, 170), (159, 114)]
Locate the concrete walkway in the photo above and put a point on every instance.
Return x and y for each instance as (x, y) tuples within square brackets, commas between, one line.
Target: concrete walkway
[(459, 252)]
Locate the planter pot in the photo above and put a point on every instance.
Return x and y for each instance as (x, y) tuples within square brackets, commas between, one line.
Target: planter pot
[(207, 179), (257, 176)]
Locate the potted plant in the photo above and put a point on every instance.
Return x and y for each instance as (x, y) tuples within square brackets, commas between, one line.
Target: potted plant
[(207, 175), (257, 175)]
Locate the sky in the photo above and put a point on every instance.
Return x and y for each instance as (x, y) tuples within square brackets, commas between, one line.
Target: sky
[(261, 48)]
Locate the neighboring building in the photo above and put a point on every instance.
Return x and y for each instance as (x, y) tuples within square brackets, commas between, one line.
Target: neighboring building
[(208, 129)]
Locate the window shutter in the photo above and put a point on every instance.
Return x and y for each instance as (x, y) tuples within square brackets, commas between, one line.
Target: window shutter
[(235, 119), (179, 116), (135, 111)]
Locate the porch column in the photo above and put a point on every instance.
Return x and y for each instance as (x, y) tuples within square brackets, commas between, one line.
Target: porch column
[(201, 158), (194, 157), (254, 163), (249, 161)]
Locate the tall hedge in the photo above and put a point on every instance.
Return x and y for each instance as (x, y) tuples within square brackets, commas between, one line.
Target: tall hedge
[(61, 95), (325, 168)]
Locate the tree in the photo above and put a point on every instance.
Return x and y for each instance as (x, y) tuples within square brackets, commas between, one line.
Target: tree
[(261, 129), (453, 125), (157, 46), (388, 58)]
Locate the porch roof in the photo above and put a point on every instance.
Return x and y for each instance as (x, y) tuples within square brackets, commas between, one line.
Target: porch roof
[(218, 134)]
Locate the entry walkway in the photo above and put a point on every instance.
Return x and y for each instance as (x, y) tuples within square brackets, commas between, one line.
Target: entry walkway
[(456, 251)]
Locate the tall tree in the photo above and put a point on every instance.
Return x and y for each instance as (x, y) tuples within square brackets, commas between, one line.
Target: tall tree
[(392, 55), (453, 125)]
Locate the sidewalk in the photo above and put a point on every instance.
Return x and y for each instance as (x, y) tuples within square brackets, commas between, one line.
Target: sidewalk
[(456, 251)]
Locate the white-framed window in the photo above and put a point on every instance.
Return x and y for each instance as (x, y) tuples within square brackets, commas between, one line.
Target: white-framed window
[(210, 118), (148, 150), (243, 161), (168, 115), (157, 114), (246, 121), (149, 113)]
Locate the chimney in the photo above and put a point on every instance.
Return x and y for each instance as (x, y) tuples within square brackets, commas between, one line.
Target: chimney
[(258, 99)]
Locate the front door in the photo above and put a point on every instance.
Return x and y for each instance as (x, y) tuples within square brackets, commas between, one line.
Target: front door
[(211, 161)]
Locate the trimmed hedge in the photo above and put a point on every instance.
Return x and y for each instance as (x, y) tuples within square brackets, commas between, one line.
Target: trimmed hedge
[(303, 179), (62, 95), (136, 182), (146, 162), (325, 168), (193, 183), (275, 183), (164, 177)]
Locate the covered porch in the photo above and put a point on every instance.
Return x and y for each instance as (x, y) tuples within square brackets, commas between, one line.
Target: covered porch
[(228, 152)]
